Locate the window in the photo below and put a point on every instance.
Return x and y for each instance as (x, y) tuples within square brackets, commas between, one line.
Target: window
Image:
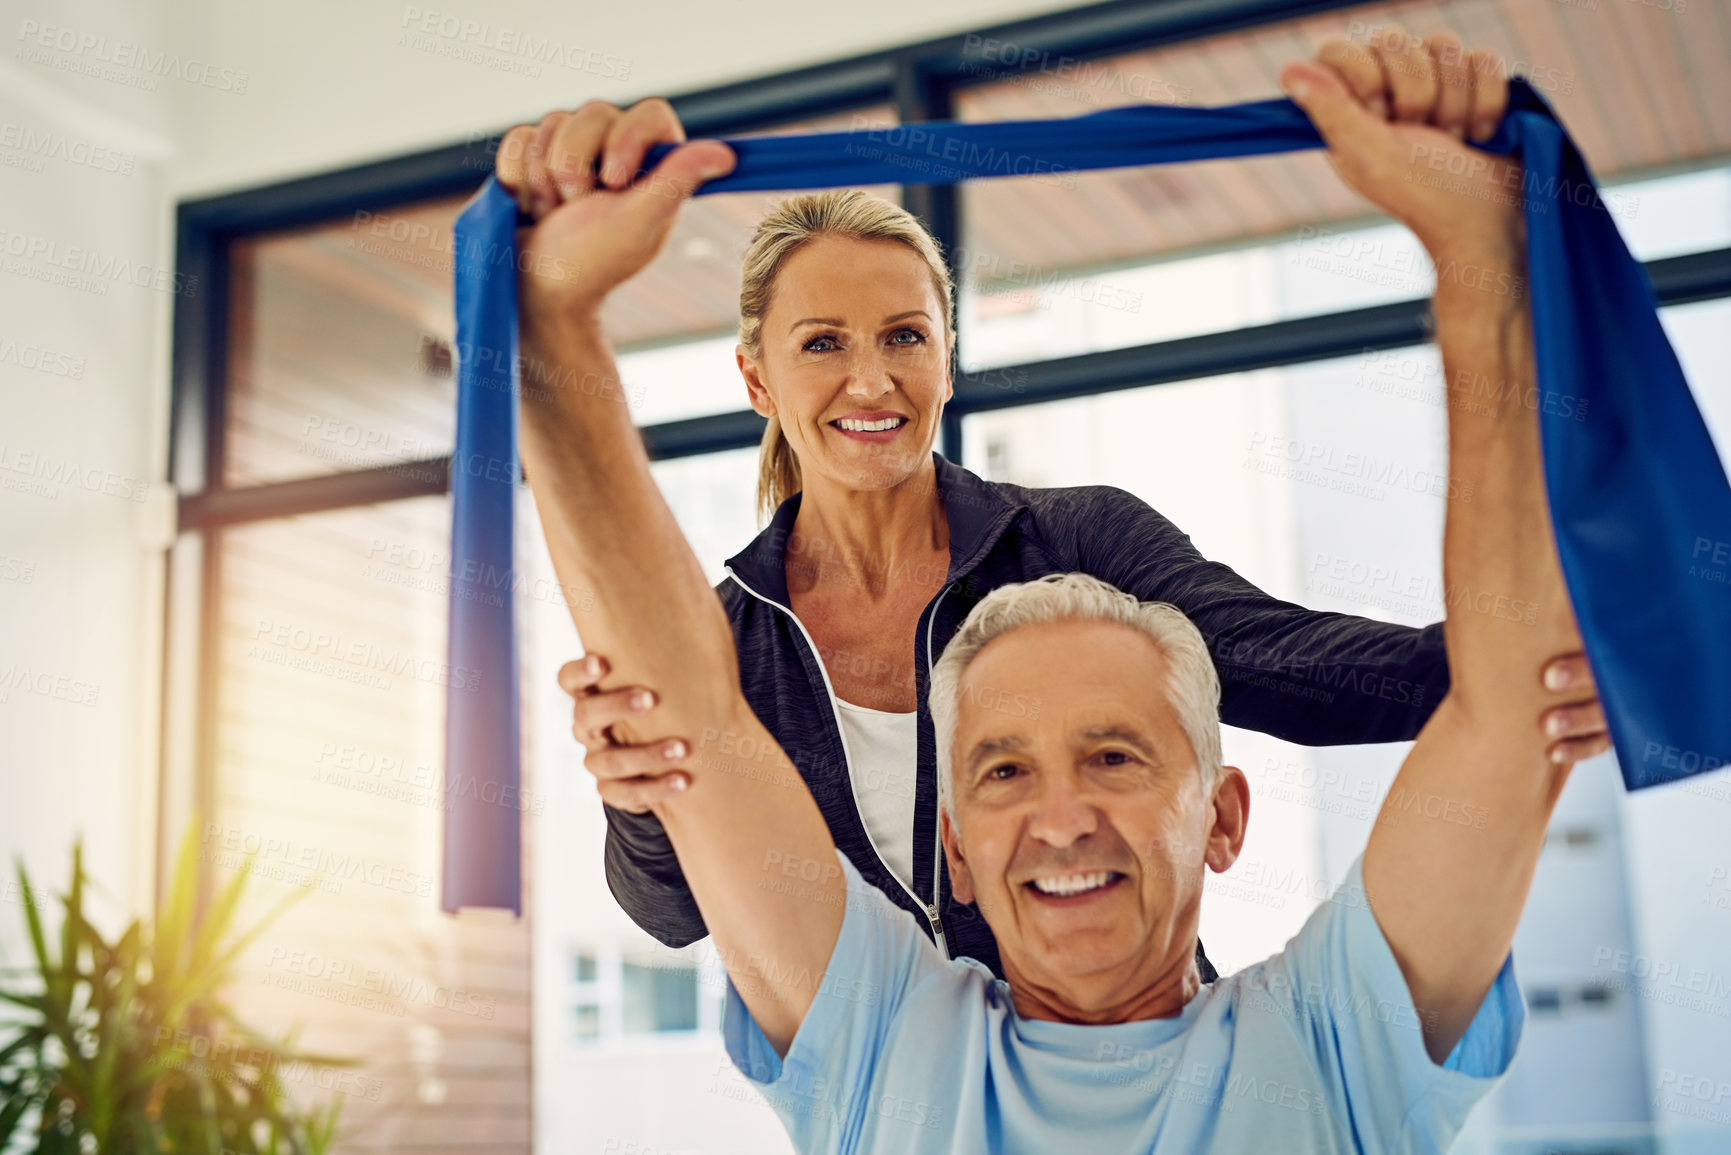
[(658, 998), (331, 683), (633, 1001), (586, 997)]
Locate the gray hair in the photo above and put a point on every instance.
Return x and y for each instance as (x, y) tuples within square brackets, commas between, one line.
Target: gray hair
[(1193, 689)]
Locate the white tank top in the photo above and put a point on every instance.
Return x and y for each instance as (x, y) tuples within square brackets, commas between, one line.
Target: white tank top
[(883, 750)]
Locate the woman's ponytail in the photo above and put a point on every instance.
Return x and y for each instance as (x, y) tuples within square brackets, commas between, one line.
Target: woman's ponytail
[(777, 470)]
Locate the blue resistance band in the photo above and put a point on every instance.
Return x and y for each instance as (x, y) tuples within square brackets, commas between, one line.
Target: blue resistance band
[(1638, 495)]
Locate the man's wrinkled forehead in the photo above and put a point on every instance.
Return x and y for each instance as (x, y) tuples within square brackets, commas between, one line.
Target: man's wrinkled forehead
[(1054, 682), (1070, 714)]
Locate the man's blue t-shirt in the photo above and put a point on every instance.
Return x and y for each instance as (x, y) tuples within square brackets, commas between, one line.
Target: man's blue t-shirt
[(1317, 1049)]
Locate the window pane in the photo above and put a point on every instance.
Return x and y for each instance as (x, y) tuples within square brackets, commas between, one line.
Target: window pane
[(588, 1022), (1668, 216), (714, 498), (1057, 265), (329, 764), (659, 998), (1038, 314), (339, 339), (686, 379), (1701, 335)]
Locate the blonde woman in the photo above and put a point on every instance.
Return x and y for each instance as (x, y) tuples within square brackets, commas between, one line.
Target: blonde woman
[(877, 547)]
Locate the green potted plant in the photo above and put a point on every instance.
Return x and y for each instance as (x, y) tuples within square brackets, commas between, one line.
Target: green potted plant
[(127, 1047)]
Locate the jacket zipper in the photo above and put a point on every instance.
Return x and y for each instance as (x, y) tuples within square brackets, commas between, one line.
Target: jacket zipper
[(937, 822), (930, 908)]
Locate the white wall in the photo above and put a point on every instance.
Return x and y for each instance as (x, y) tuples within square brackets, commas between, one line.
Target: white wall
[(83, 388), (333, 83)]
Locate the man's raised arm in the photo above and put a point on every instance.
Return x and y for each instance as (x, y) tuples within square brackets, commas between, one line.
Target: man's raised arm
[(609, 530), (1448, 894)]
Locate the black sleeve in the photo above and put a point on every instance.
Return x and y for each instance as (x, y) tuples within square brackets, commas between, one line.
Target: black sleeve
[(646, 879), (1307, 676)]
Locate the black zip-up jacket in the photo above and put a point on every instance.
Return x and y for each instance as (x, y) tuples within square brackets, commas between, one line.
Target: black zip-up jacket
[(1310, 677)]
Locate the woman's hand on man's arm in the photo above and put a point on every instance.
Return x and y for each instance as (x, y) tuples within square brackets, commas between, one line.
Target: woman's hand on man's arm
[(1578, 728), (629, 777)]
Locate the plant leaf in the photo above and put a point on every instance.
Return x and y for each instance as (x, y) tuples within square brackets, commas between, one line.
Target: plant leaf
[(33, 920)]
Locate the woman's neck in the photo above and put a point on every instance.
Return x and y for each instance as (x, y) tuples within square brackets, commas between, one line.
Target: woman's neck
[(862, 539)]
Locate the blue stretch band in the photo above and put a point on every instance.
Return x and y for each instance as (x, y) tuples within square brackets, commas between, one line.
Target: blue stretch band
[(1635, 488)]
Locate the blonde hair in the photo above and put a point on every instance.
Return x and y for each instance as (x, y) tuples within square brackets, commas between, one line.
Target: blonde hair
[(788, 227), (1193, 686)]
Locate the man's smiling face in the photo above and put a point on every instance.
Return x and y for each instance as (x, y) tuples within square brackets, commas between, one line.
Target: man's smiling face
[(1082, 831)]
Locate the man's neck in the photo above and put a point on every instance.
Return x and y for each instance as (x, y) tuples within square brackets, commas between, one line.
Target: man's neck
[(1102, 1001)]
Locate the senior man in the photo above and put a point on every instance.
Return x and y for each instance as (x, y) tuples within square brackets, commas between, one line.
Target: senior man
[(1083, 832)]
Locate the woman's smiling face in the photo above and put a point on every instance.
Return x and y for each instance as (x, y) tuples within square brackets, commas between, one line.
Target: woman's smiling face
[(854, 360)]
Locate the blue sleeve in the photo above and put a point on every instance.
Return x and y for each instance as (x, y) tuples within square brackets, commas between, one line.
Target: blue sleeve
[(1345, 991), (1308, 676), (822, 1089)]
